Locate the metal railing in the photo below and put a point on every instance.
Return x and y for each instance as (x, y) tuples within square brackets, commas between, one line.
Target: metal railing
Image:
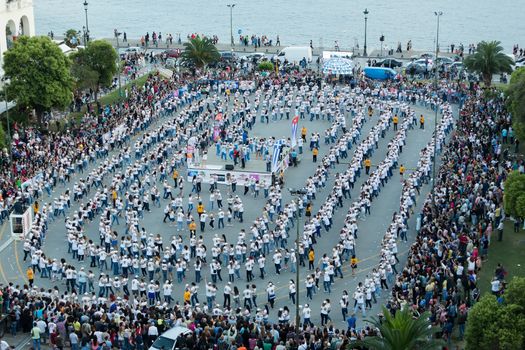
[(17, 4)]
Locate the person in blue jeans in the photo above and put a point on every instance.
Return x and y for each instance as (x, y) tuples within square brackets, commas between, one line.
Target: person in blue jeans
[(35, 336)]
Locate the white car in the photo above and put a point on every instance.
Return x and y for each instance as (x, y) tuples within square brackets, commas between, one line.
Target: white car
[(173, 338), (457, 66), (256, 55), (520, 63), (425, 62)]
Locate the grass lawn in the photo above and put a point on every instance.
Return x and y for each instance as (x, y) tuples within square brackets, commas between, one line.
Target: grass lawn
[(510, 253)]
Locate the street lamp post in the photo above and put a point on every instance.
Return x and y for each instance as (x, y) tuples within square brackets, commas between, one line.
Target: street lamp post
[(117, 34), (87, 26), (438, 14), (84, 34), (231, 6), (365, 12), (297, 193)]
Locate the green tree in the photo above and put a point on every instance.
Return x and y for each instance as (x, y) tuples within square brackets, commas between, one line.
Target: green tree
[(95, 66), (516, 101), (401, 332), (515, 293), (488, 60), (39, 75), (494, 326), (71, 38), (514, 197), (199, 53)]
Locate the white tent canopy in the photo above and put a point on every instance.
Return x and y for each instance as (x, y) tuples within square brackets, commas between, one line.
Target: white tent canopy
[(338, 66)]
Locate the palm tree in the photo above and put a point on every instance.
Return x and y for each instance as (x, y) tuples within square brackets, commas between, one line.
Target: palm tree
[(488, 60), (199, 53), (401, 332)]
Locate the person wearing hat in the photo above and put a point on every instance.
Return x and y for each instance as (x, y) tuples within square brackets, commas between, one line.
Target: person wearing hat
[(292, 291), (325, 310), (270, 290), (202, 219), (307, 314)]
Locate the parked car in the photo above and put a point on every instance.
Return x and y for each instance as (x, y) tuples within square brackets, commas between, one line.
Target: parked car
[(416, 67), (173, 53), (256, 56), (294, 54), (133, 49), (124, 52), (228, 56), (173, 338), (444, 61), (458, 66), (171, 62), (520, 63), (389, 63), (379, 73), (425, 63)]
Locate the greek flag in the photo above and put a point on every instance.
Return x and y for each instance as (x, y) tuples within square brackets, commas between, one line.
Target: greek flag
[(275, 155)]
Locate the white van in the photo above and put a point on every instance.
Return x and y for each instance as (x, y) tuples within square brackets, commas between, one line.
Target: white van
[(173, 338), (294, 54)]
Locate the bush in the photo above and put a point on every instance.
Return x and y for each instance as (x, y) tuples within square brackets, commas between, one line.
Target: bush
[(266, 66)]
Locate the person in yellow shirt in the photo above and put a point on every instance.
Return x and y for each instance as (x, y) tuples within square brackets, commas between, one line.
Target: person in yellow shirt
[(114, 196), (76, 326), (30, 276), (422, 122), (175, 176), (308, 212), (368, 164), (395, 120), (303, 133), (315, 152), (311, 259), (200, 209), (353, 264), (192, 227), (401, 171), (187, 295), (36, 207)]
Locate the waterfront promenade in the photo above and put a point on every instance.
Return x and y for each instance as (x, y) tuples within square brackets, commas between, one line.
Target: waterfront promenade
[(272, 50)]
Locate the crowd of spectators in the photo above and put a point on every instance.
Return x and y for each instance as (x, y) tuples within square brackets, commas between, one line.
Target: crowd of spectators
[(455, 226)]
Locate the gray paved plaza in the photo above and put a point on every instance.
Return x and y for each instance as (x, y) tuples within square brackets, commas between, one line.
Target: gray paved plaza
[(371, 229)]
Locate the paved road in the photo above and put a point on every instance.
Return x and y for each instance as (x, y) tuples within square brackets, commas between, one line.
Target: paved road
[(371, 229)]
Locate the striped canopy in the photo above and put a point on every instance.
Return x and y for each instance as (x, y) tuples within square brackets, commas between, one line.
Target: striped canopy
[(338, 65)]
